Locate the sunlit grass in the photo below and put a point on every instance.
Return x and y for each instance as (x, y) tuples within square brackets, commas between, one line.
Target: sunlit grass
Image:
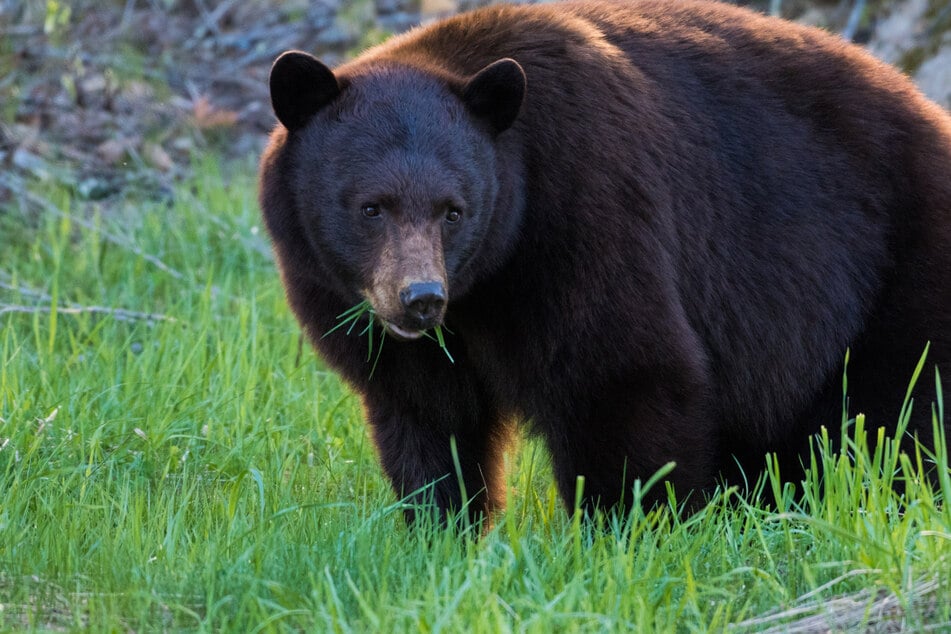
[(192, 468)]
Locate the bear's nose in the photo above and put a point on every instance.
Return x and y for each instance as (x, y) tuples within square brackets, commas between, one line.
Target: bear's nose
[(424, 302)]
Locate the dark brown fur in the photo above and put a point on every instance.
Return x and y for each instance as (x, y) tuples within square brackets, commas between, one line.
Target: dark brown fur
[(698, 210)]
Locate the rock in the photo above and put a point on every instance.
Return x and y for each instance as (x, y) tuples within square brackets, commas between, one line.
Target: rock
[(157, 157), (95, 188), (114, 150)]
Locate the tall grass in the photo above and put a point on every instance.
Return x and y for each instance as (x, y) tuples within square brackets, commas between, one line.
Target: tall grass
[(182, 464)]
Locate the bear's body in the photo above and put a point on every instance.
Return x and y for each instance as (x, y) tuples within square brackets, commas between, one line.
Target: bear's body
[(656, 245)]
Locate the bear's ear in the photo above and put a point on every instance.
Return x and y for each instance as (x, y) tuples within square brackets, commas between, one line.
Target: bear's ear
[(300, 86), (496, 93)]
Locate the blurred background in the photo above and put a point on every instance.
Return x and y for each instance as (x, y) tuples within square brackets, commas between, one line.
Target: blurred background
[(102, 96)]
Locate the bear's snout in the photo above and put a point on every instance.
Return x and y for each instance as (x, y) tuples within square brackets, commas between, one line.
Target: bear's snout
[(423, 303), (408, 286)]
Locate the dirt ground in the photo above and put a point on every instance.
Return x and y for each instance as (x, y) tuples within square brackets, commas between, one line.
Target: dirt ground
[(110, 96), (98, 95)]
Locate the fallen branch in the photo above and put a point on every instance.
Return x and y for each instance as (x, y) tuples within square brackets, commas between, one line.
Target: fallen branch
[(49, 207), (855, 16), (872, 611), (22, 290), (118, 313)]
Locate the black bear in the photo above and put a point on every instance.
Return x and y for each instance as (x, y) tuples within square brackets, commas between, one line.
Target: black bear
[(652, 230)]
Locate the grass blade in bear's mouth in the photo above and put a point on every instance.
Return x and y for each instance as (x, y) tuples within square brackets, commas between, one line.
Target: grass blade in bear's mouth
[(349, 318), (439, 339)]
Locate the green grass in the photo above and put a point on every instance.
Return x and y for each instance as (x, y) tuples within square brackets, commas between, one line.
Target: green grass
[(185, 466), (348, 320)]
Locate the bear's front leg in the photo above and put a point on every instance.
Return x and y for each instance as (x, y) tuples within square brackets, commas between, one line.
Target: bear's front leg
[(628, 434), (424, 453)]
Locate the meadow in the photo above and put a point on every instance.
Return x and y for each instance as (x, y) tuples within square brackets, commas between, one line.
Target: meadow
[(174, 458)]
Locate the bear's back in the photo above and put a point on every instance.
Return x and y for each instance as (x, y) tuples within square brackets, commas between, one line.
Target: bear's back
[(778, 165)]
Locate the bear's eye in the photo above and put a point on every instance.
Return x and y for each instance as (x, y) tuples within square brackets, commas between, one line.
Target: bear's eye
[(453, 215), (370, 210)]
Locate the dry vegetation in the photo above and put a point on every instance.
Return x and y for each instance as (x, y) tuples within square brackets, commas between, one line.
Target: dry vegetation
[(106, 95)]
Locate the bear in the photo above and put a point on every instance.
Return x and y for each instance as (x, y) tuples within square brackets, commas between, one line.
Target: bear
[(649, 233)]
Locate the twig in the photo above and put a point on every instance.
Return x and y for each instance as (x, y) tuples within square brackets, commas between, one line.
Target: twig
[(53, 209), (22, 290), (119, 313), (938, 23), (852, 25), (864, 608), (16, 30), (71, 308), (210, 18), (126, 15)]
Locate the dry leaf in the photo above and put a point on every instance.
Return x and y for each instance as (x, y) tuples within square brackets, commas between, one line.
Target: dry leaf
[(157, 157), (207, 115)]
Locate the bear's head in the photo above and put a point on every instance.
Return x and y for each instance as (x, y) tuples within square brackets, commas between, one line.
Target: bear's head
[(401, 178)]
